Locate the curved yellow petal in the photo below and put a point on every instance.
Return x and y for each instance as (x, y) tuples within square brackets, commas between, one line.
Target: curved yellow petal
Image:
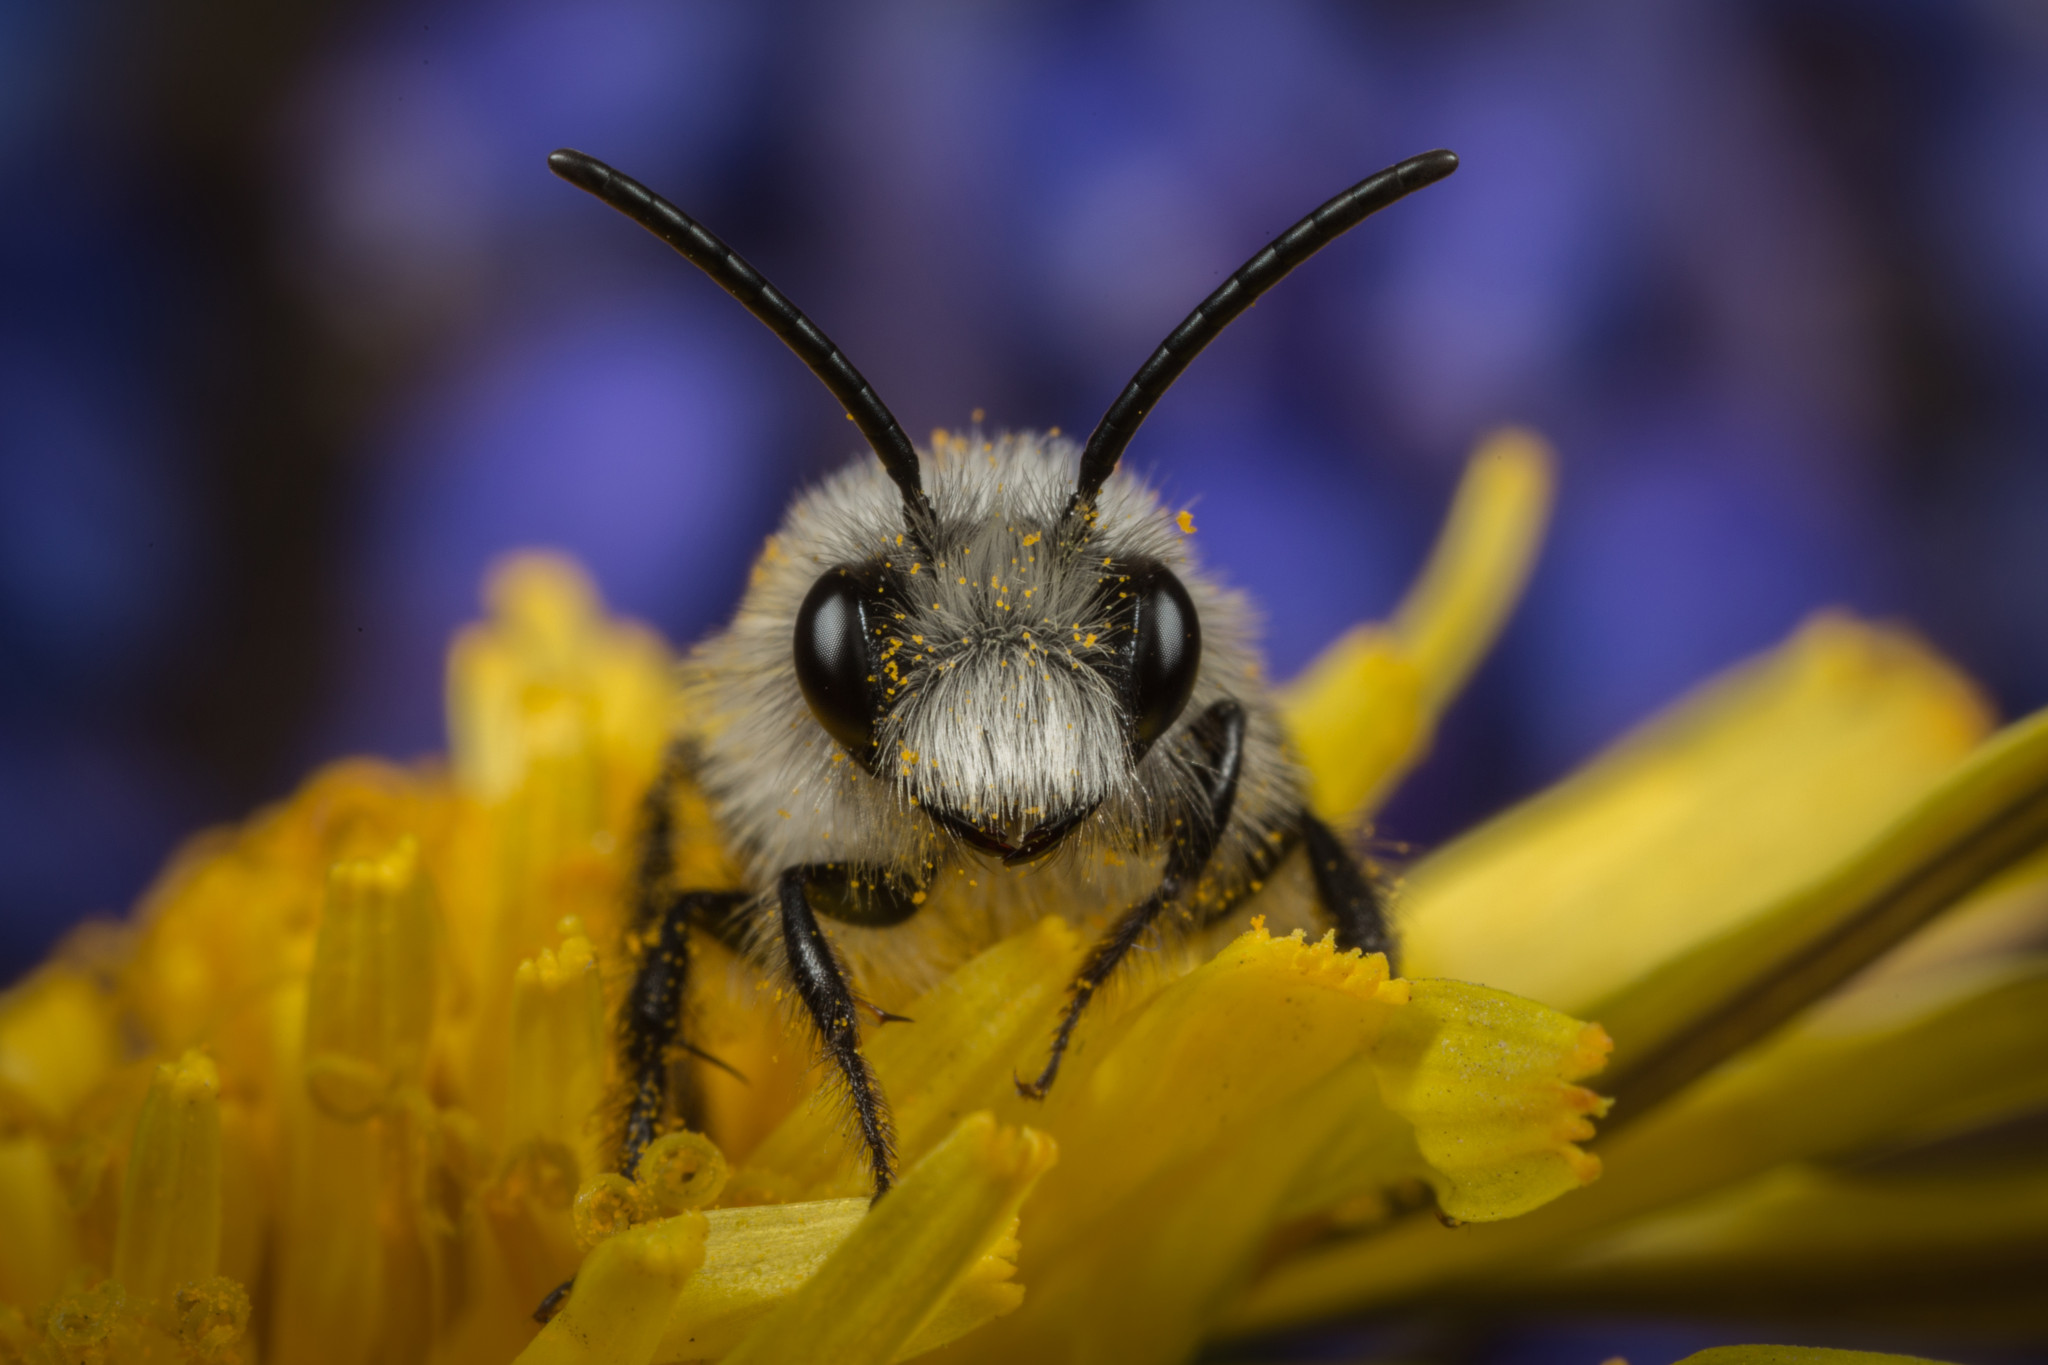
[(625, 1293), (1693, 830), (970, 1038), (1481, 560), (1363, 712), (1261, 1021), (1863, 1074), (1277, 1081), (1797, 1355), (888, 1279), (1486, 1078), (755, 1258), (1983, 818)]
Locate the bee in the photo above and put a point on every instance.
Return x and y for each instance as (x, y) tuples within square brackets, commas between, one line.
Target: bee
[(970, 686)]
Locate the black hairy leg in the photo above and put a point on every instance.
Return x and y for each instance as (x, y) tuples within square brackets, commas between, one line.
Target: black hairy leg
[(1220, 730), (1345, 892), (651, 1020), (821, 985), (650, 1024)]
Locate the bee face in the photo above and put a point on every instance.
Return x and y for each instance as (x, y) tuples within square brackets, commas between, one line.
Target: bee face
[(1005, 682)]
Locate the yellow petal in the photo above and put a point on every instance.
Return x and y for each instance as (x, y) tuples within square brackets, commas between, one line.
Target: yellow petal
[(1692, 830), (42, 1241), (755, 1258), (1867, 1072), (1954, 1247), (371, 995), (559, 1055), (1257, 1084), (360, 1266), (1142, 1284), (1481, 560), (1363, 712), (1983, 817), (548, 630), (329, 1295), (557, 719), (1262, 1020), (971, 1037), (624, 1295), (1796, 1355), (890, 1276), (988, 1290), (1486, 1079), (57, 1041), (171, 1200)]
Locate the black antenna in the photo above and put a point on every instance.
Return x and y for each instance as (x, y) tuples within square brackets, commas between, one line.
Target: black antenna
[(731, 273), (1239, 292)]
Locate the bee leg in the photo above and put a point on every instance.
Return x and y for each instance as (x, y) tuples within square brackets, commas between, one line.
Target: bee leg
[(1345, 892), (1220, 730), (650, 1022), (821, 984)]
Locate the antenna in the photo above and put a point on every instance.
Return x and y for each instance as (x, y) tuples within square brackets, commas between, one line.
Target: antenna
[(1335, 218), (730, 271)]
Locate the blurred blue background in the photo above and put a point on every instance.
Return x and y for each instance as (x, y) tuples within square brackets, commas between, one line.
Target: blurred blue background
[(299, 334)]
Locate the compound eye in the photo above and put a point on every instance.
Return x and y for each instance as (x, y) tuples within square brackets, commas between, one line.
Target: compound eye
[(834, 658), (1166, 653)]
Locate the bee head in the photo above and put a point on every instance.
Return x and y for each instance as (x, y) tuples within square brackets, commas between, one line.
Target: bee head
[(1010, 684)]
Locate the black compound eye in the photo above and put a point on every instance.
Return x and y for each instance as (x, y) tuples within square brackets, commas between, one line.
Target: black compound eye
[(835, 653), (1165, 653)]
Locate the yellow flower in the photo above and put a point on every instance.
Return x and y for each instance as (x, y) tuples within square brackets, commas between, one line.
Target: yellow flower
[(340, 1091), (1835, 823)]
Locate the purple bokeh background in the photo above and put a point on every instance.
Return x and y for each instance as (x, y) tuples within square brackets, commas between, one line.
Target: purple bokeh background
[(299, 334)]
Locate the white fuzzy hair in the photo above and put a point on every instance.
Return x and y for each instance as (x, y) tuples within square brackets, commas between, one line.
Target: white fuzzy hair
[(996, 712)]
